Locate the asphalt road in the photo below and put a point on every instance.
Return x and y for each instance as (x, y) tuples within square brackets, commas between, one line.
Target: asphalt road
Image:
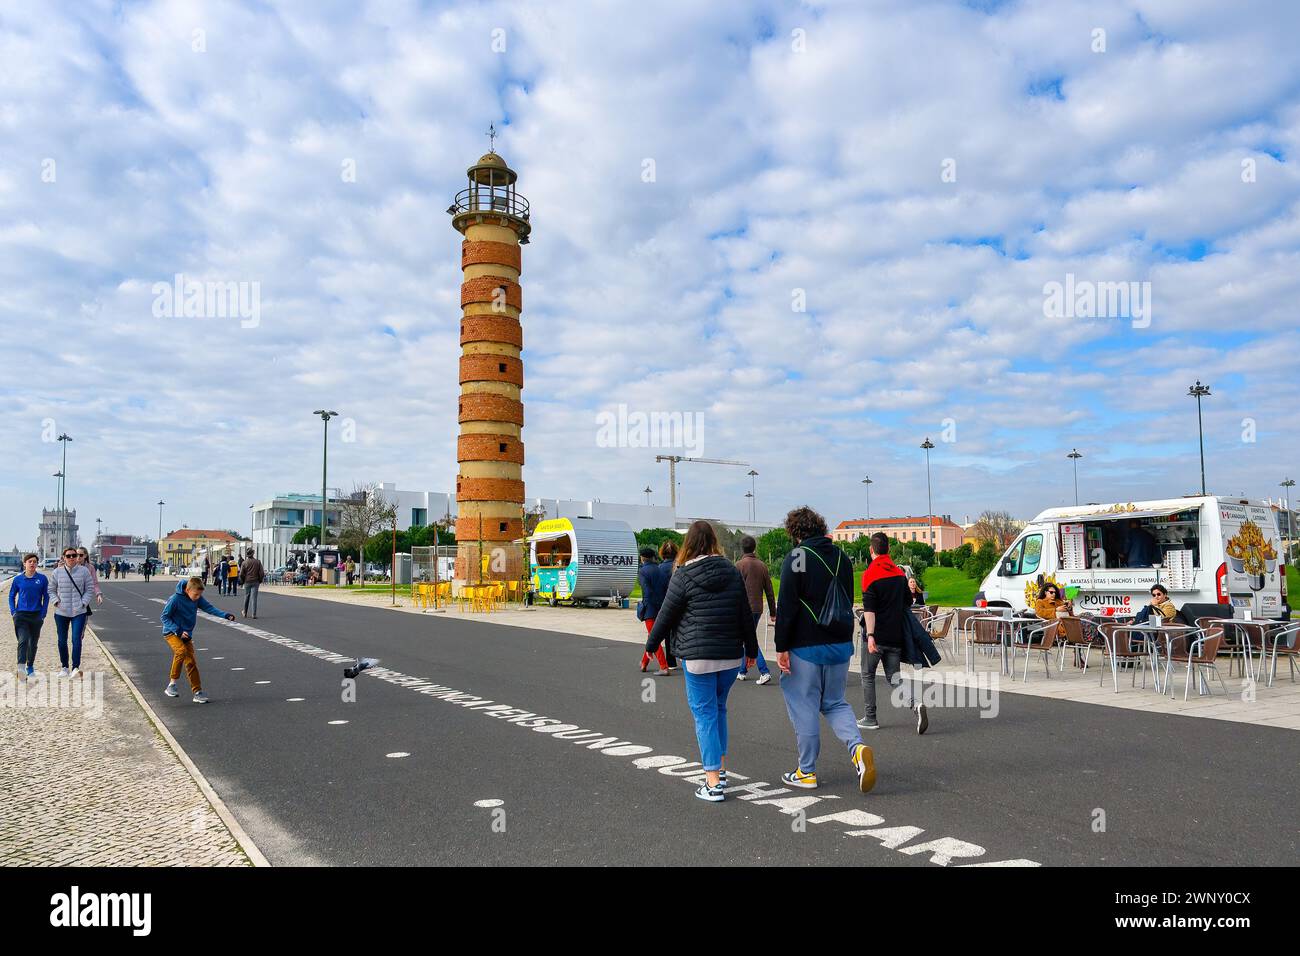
[(1054, 783)]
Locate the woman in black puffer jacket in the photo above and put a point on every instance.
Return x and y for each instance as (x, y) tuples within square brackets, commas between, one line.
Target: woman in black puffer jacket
[(706, 620)]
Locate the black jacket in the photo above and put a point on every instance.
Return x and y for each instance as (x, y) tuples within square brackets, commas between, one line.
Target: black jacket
[(705, 615), (654, 585), (803, 592)]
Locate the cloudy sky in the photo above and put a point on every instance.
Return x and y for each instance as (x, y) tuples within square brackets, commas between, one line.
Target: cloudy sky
[(826, 228)]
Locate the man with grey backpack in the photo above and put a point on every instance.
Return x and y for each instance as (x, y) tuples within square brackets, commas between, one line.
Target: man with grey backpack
[(814, 644)]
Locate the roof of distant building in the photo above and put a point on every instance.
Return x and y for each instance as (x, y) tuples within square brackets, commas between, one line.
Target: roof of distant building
[(938, 520)]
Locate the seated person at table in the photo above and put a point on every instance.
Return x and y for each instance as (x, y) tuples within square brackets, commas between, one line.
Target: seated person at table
[(1160, 606), (1049, 600), (1141, 546), (915, 593)]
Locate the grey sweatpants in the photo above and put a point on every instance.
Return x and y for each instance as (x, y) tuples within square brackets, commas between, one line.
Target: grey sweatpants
[(812, 691), (893, 659)]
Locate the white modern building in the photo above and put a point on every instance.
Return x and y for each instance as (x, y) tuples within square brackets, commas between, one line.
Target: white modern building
[(276, 520), (416, 509)]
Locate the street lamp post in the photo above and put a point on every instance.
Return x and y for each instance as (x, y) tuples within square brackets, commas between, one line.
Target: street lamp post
[(1286, 510), (64, 438), (750, 496), (325, 417), (753, 493), (1074, 453), (868, 482), (1198, 391), (929, 499), (647, 494)]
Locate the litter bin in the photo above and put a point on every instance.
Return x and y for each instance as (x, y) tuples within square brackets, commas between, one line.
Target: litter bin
[(402, 569)]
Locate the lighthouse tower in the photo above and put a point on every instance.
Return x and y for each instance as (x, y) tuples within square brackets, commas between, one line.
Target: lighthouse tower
[(493, 218)]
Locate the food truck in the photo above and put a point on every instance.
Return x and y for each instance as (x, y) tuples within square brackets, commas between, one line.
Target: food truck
[(1203, 549), (582, 561)]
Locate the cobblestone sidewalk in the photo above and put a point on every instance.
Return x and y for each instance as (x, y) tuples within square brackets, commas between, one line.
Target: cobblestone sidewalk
[(82, 789)]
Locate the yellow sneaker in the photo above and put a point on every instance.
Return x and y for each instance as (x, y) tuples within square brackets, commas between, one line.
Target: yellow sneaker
[(864, 762), (797, 778)]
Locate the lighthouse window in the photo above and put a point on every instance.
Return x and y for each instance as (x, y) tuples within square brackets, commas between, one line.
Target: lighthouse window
[(503, 526), (501, 366), (501, 447)]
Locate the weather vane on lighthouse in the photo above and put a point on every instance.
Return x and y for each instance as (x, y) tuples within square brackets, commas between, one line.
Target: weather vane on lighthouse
[(492, 138)]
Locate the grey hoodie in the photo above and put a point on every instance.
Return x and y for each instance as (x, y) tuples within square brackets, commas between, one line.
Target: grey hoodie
[(71, 590)]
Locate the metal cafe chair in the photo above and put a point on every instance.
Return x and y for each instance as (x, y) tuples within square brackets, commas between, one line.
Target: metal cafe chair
[(1285, 641), (1199, 654), (985, 633), (1118, 646), (1079, 634), (1023, 640)]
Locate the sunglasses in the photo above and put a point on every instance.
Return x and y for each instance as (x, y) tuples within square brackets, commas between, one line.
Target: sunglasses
[(69, 554)]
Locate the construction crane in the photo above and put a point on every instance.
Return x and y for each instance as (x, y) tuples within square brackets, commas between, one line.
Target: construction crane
[(672, 470)]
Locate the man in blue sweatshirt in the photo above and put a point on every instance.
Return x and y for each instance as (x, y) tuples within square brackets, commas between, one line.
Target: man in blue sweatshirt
[(178, 620), (29, 601)]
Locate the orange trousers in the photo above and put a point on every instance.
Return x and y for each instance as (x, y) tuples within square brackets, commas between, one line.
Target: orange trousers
[(183, 654)]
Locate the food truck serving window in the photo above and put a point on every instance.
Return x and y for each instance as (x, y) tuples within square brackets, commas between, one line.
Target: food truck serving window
[(1134, 539), (555, 552)]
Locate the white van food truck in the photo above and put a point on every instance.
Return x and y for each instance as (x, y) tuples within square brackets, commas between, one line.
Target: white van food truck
[(1203, 549)]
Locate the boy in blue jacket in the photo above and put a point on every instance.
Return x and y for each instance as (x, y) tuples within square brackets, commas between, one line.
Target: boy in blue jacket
[(29, 602), (178, 620)]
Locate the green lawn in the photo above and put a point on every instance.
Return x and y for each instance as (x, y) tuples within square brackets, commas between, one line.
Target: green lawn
[(949, 587)]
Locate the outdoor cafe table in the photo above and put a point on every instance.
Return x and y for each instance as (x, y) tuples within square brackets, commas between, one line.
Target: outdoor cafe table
[(1147, 633), (1010, 630), (1250, 632)]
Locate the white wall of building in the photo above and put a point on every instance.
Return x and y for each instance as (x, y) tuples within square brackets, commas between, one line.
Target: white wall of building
[(639, 517)]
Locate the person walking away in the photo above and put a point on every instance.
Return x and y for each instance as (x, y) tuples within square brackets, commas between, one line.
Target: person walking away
[(147, 569), (29, 602), (653, 589), (207, 568), (251, 575), (232, 576), (179, 617), (664, 572), (705, 616), (886, 597), (222, 567), (814, 644), (758, 585), (71, 590)]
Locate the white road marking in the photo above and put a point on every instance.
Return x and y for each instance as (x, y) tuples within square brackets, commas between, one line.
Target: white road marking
[(398, 753), (218, 658), (336, 723), (237, 668), (294, 700), (261, 682), (489, 803), (941, 851)]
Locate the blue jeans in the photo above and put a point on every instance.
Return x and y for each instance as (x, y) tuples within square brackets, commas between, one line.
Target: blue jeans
[(812, 691), (762, 664), (78, 625), (707, 695)]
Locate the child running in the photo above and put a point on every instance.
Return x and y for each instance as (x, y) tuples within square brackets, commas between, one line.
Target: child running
[(178, 620)]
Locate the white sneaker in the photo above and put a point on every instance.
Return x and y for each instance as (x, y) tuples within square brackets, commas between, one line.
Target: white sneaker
[(171, 691), (76, 672), (200, 698), (63, 672), (764, 679), (740, 677)]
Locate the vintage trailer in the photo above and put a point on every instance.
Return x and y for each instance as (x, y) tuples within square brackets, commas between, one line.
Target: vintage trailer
[(582, 560)]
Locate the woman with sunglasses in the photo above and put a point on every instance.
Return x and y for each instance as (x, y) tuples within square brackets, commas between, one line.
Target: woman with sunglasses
[(84, 557), (71, 589), (1050, 600)]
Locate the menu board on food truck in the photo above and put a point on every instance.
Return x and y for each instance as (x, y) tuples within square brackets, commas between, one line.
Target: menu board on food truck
[(1074, 547)]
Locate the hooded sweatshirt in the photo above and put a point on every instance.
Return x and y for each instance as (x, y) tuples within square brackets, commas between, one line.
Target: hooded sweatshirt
[(885, 592), (181, 614)]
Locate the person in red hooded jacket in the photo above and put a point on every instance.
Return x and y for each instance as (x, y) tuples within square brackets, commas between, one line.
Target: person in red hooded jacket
[(886, 598)]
